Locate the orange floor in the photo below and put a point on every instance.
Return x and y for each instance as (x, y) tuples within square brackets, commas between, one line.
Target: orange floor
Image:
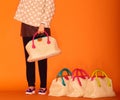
[(19, 95)]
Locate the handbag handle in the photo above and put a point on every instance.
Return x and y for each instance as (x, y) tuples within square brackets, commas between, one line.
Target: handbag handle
[(36, 33), (60, 74), (82, 72), (95, 73)]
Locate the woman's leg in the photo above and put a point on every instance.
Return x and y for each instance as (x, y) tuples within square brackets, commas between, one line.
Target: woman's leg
[(43, 73), (30, 66)]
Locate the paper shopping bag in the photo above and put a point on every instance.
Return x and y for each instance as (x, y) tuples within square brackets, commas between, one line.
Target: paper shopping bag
[(77, 83), (45, 48), (59, 85), (99, 86)]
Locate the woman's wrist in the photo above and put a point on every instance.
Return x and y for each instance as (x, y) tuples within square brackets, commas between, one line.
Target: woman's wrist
[(43, 23), (41, 28)]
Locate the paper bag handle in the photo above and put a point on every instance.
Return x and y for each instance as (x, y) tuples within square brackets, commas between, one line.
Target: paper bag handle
[(95, 73), (36, 33)]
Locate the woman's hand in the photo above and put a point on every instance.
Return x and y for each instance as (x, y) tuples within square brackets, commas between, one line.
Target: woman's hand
[(41, 28)]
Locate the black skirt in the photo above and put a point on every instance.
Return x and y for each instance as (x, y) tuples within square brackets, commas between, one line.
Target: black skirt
[(28, 31)]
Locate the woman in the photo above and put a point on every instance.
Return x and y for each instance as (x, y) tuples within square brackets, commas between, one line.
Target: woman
[(35, 16)]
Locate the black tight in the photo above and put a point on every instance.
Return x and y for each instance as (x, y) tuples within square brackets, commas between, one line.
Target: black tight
[(30, 68)]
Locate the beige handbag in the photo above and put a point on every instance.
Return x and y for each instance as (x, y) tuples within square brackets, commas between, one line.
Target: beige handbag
[(99, 86), (43, 48), (77, 83), (59, 85)]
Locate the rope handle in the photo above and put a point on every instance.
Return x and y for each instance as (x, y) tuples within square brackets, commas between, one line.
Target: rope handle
[(36, 33), (81, 71), (60, 74), (82, 75), (95, 73)]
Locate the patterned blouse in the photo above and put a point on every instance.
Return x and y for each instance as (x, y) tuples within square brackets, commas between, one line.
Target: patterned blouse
[(35, 12)]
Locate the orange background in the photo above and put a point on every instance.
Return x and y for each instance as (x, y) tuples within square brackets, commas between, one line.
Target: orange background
[(87, 32)]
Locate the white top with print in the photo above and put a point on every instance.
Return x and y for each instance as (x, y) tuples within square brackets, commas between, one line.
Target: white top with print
[(35, 12)]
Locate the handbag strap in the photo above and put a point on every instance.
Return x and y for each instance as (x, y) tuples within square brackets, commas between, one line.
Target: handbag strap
[(83, 74), (36, 33), (95, 74), (60, 74)]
